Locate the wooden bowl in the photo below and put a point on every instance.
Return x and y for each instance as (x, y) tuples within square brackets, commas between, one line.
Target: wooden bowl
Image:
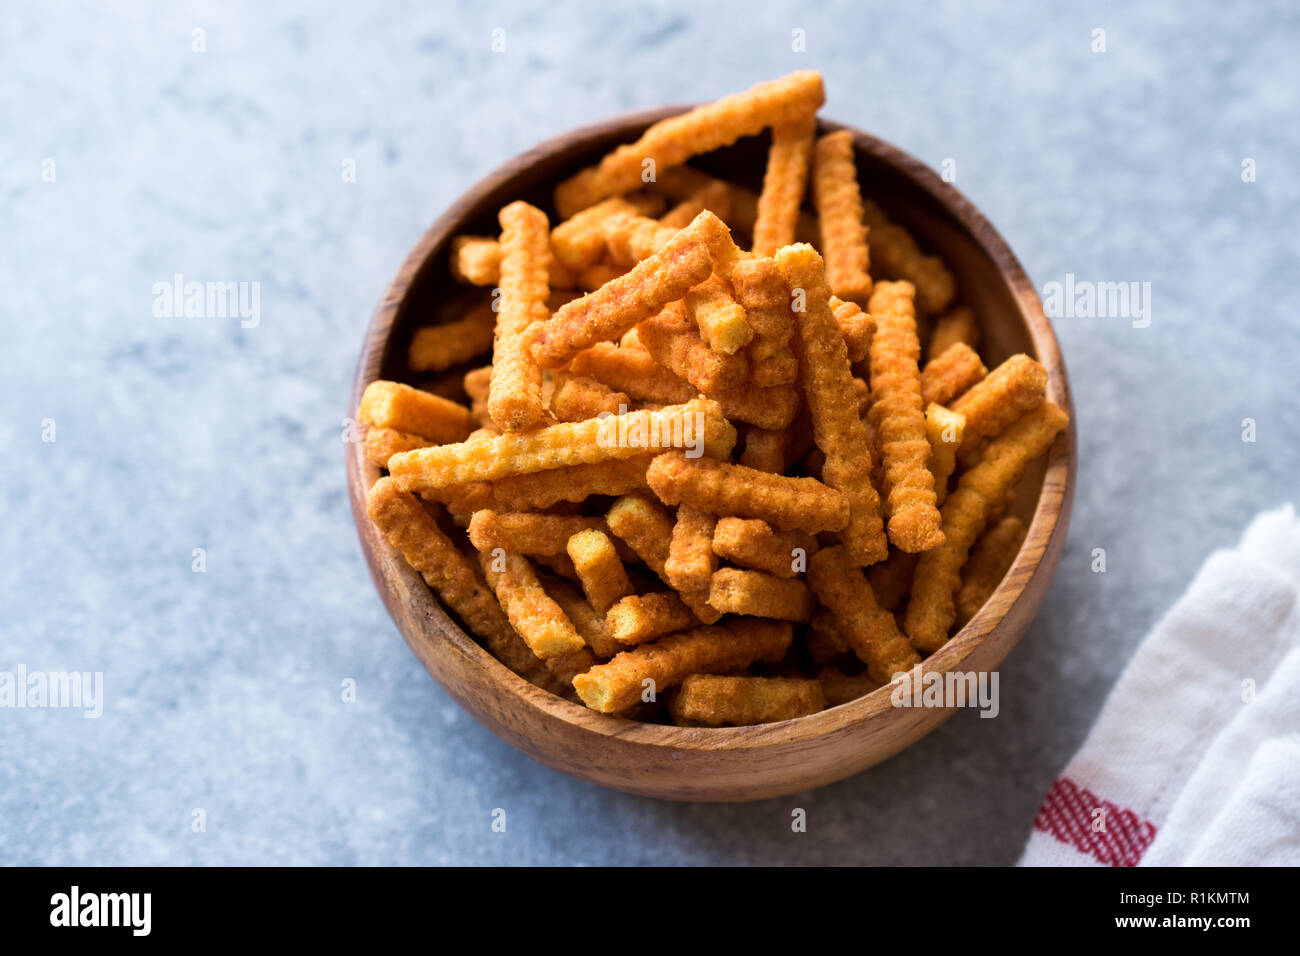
[(743, 763)]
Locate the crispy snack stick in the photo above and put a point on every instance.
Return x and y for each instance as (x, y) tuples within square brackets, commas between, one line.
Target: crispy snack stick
[(872, 632), (761, 291), (593, 277), (477, 383), (648, 530), (586, 621), (839, 210), (955, 325), (706, 700), (896, 255), (862, 392), (783, 185), (476, 260), (899, 420), (384, 443), (557, 564), (1016, 386), (764, 450), (527, 532), (632, 371), (724, 489), (639, 618), (538, 619), (515, 392), (541, 489), (954, 371), (736, 591), (840, 688), (775, 370), (673, 342), (629, 239), (599, 567), (828, 388), (931, 612), (691, 562), (656, 667), (720, 318), (405, 409), (577, 398), (772, 408), (891, 579), (673, 141), (944, 429), (713, 196), (825, 640), (411, 530), (687, 259), (857, 326), (579, 242), (753, 543), (437, 347), (989, 562), (697, 424), (680, 182)]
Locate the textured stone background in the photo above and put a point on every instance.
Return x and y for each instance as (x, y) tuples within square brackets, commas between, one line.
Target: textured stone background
[(223, 688)]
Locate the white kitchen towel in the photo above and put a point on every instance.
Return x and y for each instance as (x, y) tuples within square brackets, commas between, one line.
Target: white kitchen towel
[(1210, 668)]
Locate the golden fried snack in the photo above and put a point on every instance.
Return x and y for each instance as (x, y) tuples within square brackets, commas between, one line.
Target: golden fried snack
[(737, 591), (1016, 386), (593, 277), (828, 387), (579, 242), (437, 347), (476, 260), (577, 398), (753, 543), (599, 568), (783, 185), (538, 619), (944, 429), (673, 141), (955, 325), (764, 450), (772, 408), (825, 640), (839, 211), (653, 668), (857, 327), (891, 579), (706, 700), (681, 182), (618, 305), (774, 370), (691, 562), (586, 621), (674, 342), (944, 378), (989, 562), (541, 489), (406, 409), (899, 420), (719, 317), (697, 425), (931, 612), (383, 443), (632, 371), (761, 292), (648, 530), (629, 238), (477, 384), (714, 196), (639, 618), (515, 392), (895, 255), (527, 532), (840, 688), (411, 530), (724, 489), (871, 631)]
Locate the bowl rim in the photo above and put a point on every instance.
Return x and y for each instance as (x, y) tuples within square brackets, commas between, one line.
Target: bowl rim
[(1046, 524)]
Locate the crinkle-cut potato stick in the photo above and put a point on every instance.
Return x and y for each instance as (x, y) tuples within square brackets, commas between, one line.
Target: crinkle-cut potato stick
[(899, 421), (629, 238), (656, 667), (639, 618), (579, 242), (839, 211), (686, 260), (895, 255), (754, 593), (719, 317), (891, 579), (1016, 386), (647, 528), (437, 347), (691, 561), (840, 688), (713, 196), (824, 639), (681, 182), (724, 489), (871, 631), (542, 489), (545, 628), (697, 425), (383, 443), (476, 260), (954, 326), (527, 532), (515, 392), (990, 559), (674, 342), (712, 701), (588, 624), (671, 142), (951, 374), (772, 408), (944, 429), (753, 544), (600, 569), (634, 372), (764, 450), (783, 185), (406, 409), (577, 398), (828, 389), (931, 612), (857, 326), (410, 529)]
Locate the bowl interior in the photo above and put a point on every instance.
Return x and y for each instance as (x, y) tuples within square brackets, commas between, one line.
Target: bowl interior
[(989, 280)]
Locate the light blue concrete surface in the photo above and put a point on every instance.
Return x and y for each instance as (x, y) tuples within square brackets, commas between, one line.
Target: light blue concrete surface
[(222, 688)]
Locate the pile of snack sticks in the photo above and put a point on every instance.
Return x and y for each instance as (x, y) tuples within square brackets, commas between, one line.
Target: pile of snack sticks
[(720, 487)]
